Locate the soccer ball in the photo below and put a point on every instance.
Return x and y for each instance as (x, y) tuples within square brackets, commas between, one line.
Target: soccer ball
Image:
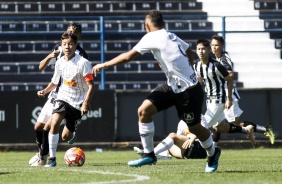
[(74, 157)]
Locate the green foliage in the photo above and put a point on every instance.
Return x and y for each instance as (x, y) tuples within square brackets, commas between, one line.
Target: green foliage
[(258, 166)]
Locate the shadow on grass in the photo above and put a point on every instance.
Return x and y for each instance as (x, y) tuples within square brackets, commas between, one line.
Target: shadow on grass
[(7, 173)]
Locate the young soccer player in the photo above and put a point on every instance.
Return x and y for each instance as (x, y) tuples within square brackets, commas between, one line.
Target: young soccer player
[(182, 89), (73, 99)]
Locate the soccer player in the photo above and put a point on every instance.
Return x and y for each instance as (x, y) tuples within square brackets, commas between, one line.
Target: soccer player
[(42, 125), (234, 113), (181, 145), (214, 76), (75, 93), (182, 89)]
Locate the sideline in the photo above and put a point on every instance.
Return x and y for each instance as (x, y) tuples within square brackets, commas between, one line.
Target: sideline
[(136, 176)]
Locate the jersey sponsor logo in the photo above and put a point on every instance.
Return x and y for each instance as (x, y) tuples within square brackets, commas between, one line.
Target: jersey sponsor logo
[(2, 116), (71, 83), (189, 117)]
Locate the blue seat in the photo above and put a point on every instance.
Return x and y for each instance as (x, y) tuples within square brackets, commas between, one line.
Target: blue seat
[(99, 6), (7, 7), (4, 47), (21, 47), (12, 27), (264, 5), (28, 7), (51, 7), (145, 6), (122, 6), (8, 68), (75, 7), (169, 6), (36, 26)]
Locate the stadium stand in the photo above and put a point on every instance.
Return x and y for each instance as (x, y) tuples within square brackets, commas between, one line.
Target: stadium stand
[(29, 31)]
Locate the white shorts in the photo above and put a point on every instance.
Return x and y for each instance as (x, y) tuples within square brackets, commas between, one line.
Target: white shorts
[(214, 114), (46, 112), (233, 112)]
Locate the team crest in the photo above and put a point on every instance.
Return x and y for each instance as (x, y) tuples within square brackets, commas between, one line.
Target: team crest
[(189, 117)]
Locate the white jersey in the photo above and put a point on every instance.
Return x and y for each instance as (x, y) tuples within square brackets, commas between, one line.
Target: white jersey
[(170, 52), (74, 87)]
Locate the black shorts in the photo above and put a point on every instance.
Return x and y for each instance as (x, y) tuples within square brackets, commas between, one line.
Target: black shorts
[(195, 152), (188, 103), (73, 116)]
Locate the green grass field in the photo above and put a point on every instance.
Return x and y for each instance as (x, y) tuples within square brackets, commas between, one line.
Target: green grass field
[(258, 166)]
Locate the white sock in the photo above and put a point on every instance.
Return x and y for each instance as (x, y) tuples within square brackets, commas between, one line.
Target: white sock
[(53, 143), (73, 135), (164, 145), (146, 131), (208, 145)]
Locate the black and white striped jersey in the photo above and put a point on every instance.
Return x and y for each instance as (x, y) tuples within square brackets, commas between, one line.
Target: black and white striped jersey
[(225, 60), (213, 74)]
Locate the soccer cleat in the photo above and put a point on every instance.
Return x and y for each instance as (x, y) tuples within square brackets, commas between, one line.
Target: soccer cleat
[(73, 139), (138, 150), (212, 162), (41, 161), (269, 133), (52, 162), (250, 134), (146, 159), (34, 159)]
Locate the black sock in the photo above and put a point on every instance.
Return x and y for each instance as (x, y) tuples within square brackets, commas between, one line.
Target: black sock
[(39, 135), (234, 128), (45, 143), (246, 123)]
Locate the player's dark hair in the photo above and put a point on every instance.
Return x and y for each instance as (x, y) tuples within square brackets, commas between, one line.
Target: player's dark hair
[(156, 18), (218, 38), (205, 42), (69, 34), (76, 26)]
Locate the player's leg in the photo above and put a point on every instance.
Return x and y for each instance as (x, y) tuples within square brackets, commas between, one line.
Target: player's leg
[(156, 101), (59, 113), (267, 131), (189, 108), (42, 119)]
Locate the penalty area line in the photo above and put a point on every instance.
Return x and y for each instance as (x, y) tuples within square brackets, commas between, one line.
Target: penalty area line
[(136, 176)]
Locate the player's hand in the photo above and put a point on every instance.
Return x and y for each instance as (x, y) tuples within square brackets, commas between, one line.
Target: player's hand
[(228, 104), (54, 54), (84, 108), (189, 141), (41, 93), (97, 68)]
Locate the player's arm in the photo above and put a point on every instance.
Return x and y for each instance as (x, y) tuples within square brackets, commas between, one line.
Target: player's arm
[(86, 104), (44, 63), (229, 81), (190, 55), (46, 90), (120, 59)]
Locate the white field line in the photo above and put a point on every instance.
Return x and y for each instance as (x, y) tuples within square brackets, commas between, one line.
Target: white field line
[(136, 176)]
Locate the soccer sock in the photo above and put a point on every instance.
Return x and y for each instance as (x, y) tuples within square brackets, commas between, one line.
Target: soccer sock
[(260, 129), (208, 145), (164, 145), (39, 135), (146, 131), (246, 123), (215, 137), (53, 142), (73, 134), (235, 128), (45, 143)]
